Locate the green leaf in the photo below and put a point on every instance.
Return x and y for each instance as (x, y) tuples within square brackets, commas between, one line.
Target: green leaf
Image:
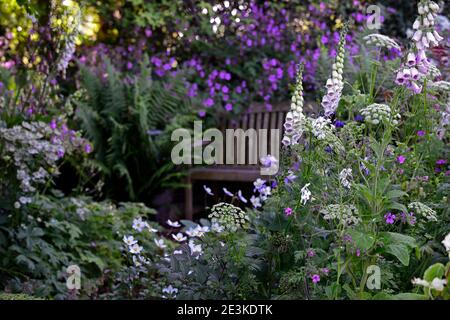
[(392, 194), (409, 296), (400, 251), (382, 296), (364, 241), (437, 270), (397, 238), (397, 206)]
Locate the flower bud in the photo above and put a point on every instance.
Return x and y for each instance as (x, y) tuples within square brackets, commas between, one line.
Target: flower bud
[(434, 6), (421, 10)]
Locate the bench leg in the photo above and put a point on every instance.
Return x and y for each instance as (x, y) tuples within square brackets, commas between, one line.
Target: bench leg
[(188, 199)]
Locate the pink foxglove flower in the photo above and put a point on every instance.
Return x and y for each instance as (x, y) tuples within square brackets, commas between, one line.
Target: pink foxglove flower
[(335, 84), (424, 37)]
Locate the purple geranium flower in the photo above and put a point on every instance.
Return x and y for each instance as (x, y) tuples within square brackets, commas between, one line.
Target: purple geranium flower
[(315, 278), (288, 211), (389, 218), (401, 159)]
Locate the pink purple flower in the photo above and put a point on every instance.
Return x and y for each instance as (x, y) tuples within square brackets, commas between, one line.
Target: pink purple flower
[(401, 159), (288, 211), (315, 278), (389, 218)]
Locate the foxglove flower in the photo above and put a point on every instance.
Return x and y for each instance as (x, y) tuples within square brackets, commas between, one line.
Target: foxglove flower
[(417, 66), (335, 84), (295, 120)]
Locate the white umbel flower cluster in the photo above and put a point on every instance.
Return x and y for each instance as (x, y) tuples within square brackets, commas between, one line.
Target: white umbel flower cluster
[(421, 209), (440, 86), (295, 119), (380, 40), (335, 84), (348, 214), (377, 113)]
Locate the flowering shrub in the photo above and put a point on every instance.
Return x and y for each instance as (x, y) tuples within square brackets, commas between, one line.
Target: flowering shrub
[(363, 183), (40, 240), (212, 260), (361, 187)]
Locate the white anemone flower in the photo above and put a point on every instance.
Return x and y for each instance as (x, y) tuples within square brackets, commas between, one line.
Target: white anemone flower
[(170, 290), (129, 240), (179, 237), (139, 224), (208, 190), (173, 224), (446, 243), (160, 243), (241, 197), (228, 193), (256, 202), (195, 248), (135, 249), (305, 194)]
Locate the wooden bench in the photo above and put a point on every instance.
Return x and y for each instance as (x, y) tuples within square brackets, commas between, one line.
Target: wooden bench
[(257, 117)]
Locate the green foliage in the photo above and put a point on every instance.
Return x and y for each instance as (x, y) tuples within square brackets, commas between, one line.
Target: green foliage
[(17, 296), (40, 241), (129, 122)]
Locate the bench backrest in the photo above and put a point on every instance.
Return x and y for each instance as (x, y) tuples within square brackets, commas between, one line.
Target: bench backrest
[(258, 117)]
